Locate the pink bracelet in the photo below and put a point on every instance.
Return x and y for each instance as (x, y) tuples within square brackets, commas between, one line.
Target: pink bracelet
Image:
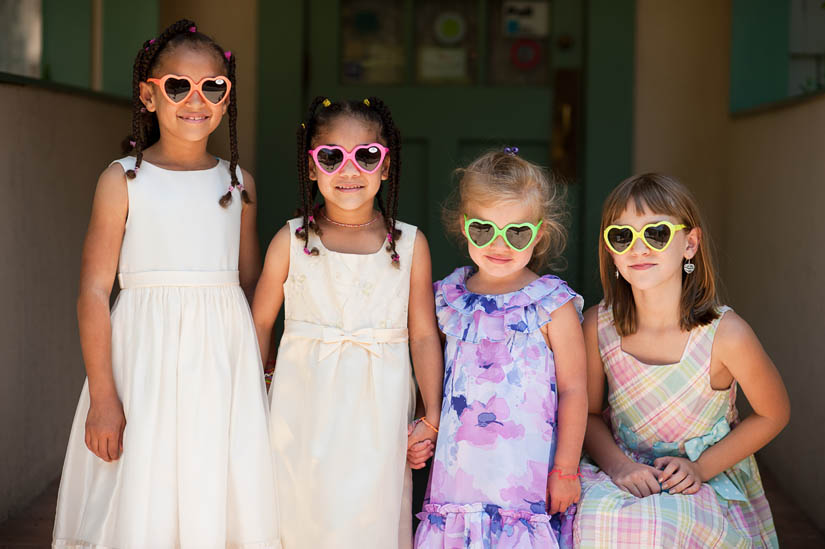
[(577, 474)]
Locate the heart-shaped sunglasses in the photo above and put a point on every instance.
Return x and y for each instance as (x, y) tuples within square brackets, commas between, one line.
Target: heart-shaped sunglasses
[(482, 233), (178, 89), (656, 236), (331, 158)]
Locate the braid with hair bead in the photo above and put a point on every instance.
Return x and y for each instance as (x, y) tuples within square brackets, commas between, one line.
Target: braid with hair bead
[(390, 210), (307, 188)]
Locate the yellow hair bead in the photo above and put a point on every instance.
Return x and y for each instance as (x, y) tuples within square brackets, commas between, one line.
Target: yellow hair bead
[(327, 103), (303, 125), (367, 102)]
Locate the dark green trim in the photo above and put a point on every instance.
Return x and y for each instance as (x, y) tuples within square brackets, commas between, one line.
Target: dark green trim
[(281, 88), (126, 26), (17, 80), (67, 42), (759, 61), (778, 105), (608, 120)]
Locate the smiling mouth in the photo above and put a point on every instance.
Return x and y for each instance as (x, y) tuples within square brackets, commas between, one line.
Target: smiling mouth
[(348, 188), (193, 117), (642, 266)]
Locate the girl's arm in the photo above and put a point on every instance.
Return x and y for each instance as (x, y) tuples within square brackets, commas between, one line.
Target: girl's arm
[(636, 478), (564, 335), (269, 294), (737, 349), (249, 259), (425, 342), (105, 420)]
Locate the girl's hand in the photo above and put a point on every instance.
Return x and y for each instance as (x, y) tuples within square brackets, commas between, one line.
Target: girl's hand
[(105, 423), (420, 444), (562, 492), (679, 475), (636, 478)]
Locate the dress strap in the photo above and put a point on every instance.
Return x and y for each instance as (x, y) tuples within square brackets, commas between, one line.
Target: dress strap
[(609, 340)]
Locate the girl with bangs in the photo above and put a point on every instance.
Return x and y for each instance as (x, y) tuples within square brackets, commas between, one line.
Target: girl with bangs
[(668, 462)]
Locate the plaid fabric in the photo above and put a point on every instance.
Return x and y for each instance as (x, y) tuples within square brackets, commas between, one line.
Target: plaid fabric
[(667, 403)]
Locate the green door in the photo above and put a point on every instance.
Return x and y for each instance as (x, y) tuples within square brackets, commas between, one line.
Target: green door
[(460, 77)]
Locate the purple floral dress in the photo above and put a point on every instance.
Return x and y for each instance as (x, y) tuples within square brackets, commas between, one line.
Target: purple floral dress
[(497, 436)]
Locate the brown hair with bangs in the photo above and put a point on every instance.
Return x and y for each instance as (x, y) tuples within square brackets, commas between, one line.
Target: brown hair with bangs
[(662, 195), (499, 176)]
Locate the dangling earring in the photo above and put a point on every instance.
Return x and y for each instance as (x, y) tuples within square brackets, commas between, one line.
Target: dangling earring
[(688, 267), (617, 274)]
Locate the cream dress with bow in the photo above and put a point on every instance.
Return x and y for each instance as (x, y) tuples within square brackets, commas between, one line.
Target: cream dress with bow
[(342, 396)]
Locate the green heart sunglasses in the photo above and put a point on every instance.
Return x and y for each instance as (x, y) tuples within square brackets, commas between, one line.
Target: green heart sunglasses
[(482, 233)]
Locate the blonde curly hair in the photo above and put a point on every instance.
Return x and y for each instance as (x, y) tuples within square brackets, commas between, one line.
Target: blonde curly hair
[(499, 176)]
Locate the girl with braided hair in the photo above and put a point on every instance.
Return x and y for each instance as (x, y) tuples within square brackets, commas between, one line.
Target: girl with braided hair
[(356, 286), (170, 443)]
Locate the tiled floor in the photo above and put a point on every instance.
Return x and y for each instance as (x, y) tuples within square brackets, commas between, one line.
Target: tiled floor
[(33, 527)]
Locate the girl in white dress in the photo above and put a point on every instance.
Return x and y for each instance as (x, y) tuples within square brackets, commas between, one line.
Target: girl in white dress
[(170, 444), (356, 286)]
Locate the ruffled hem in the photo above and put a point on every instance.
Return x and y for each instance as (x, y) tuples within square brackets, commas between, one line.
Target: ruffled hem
[(76, 544), (480, 526), (472, 317)]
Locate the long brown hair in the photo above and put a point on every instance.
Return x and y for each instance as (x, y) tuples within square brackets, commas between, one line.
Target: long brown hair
[(662, 195)]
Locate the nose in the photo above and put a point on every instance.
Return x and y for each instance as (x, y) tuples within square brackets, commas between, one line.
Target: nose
[(197, 99), (639, 247), (349, 168), (499, 243)]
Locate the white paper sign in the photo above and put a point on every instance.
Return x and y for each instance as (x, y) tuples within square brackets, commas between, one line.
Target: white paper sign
[(526, 18)]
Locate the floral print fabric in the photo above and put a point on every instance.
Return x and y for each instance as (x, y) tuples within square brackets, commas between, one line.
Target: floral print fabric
[(498, 420)]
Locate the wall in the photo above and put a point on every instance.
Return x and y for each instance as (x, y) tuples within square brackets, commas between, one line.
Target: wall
[(775, 268), (235, 28), (52, 148), (758, 178), (681, 99)]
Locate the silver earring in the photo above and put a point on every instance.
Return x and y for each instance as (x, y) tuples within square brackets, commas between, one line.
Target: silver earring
[(617, 274), (688, 267)]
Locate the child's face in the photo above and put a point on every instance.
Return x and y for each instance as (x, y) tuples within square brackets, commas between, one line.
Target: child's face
[(349, 188), (644, 268), (498, 259), (195, 118)]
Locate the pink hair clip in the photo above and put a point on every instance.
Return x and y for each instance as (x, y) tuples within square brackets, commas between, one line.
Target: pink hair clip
[(193, 29), (311, 219), (227, 54), (132, 143), (306, 251), (152, 41), (389, 237)]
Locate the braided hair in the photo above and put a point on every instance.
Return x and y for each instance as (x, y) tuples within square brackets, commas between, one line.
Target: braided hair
[(145, 129), (372, 111)]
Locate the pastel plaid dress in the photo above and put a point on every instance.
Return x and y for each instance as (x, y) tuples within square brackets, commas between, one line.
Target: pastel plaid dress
[(670, 410)]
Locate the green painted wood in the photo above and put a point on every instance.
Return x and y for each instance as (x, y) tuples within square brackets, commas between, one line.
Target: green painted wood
[(759, 60), (126, 26), (67, 42), (608, 125), (281, 103)]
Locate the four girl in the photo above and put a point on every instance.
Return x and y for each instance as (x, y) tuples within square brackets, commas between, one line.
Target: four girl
[(173, 444)]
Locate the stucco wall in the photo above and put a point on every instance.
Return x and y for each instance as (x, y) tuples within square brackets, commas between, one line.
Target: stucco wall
[(53, 146), (775, 272)]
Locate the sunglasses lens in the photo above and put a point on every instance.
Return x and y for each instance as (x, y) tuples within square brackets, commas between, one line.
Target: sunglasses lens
[(214, 90), (619, 238), (480, 233), (329, 160), (176, 89), (519, 237), (368, 157), (657, 236)]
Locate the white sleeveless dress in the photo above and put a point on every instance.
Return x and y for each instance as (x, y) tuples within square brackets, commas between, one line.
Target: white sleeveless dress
[(196, 469), (341, 398)]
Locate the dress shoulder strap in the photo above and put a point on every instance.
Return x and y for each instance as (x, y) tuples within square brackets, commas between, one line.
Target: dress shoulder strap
[(609, 340)]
